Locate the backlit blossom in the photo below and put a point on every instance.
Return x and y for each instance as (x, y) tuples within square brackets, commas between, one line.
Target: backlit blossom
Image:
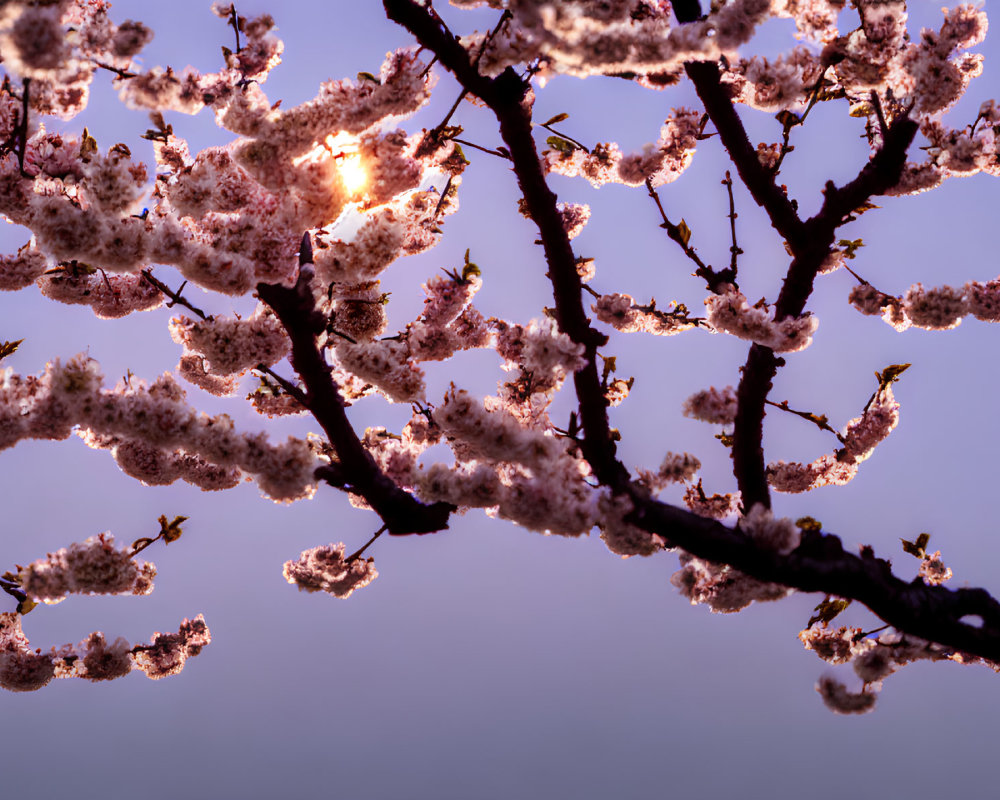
[(324, 569)]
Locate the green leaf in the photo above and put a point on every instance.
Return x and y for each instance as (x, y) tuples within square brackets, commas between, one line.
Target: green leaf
[(560, 144), (556, 119), (827, 610), (850, 246), (9, 347), (461, 153), (25, 606), (890, 374), (684, 233), (367, 76)]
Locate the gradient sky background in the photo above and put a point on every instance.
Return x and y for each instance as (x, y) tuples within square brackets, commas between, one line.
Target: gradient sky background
[(489, 661)]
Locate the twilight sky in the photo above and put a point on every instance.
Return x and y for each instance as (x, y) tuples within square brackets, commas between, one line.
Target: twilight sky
[(489, 661)]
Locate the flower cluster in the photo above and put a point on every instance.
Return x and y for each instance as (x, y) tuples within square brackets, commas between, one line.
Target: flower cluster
[(779, 535), (720, 587), (94, 659), (228, 346), (659, 163), (94, 566), (717, 406), (170, 438), (324, 569), (621, 312), (860, 438), (731, 313), (937, 309)]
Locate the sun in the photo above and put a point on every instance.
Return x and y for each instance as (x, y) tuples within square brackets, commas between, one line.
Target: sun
[(343, 148), (352, 173)]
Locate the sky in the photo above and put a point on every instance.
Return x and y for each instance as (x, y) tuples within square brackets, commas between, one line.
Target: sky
[(489, 661)]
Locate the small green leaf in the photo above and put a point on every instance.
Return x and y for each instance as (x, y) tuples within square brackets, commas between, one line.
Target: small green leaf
[(890, 374), (560, 144), (367, 76), (827, 610), (556, 119), (9, 347), (25, 606), (461, 153), (684, 233), (850, 246)]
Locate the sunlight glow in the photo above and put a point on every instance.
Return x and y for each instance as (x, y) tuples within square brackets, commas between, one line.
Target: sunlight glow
[(343, 148), (352, 173)]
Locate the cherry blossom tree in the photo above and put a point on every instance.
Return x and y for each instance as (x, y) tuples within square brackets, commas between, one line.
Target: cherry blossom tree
[(308, 206)]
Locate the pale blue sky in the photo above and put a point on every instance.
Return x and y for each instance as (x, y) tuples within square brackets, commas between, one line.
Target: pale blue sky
[(488, 661)]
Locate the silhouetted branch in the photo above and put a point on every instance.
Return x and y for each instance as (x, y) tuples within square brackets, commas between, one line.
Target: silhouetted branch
[(355, 468)]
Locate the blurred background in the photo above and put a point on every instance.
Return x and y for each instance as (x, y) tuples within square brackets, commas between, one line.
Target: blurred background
[(489, 661)]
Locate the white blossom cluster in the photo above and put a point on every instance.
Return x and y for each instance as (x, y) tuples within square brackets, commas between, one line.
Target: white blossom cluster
[(723, 589), (675, 468), (659, 163), (169, 438), (861, 436), (621, 312), (937, 309), (324, 569), (583, 37), (220, 348), (873, 659), (94, 566), (716, 406), (94, 659), (779, 535), (731, 313)]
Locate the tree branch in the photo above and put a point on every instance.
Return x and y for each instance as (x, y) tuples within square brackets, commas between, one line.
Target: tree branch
[(505, 96), (355, 469), (820, 563)]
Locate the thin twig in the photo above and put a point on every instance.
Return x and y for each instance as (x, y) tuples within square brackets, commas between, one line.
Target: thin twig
[(124, 74), (176, 298), (569, 139), (793, 121), (734, 249), (358, 553), (674, 231), (820, 421), (474, 146)]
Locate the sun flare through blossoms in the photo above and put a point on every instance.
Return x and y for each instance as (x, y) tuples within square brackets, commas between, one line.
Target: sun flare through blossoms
[(271, 260)]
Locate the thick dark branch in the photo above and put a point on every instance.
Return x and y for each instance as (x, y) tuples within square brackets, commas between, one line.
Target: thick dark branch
[(355, 469), (876, 177), (808, 241), (820, 564), (758, 180), (505, 96), (879, 174)]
